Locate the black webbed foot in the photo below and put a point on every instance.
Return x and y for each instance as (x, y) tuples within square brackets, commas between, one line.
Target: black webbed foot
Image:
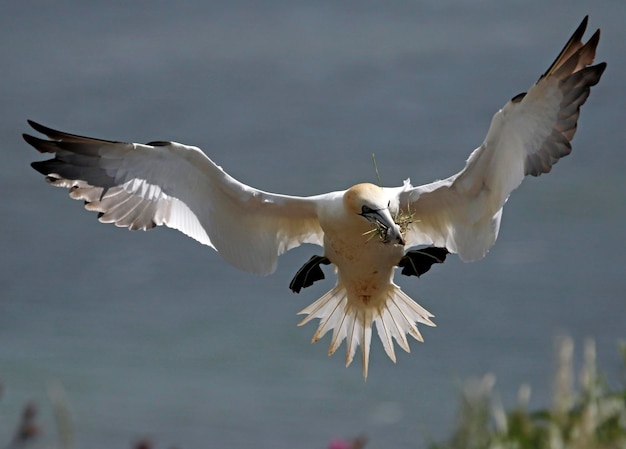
[(419, 261), (308, 274)]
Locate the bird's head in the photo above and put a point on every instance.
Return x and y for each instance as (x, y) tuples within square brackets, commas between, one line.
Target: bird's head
[(371, 203)]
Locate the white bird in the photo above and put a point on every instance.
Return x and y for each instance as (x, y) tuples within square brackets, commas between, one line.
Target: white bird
[(365, 231)]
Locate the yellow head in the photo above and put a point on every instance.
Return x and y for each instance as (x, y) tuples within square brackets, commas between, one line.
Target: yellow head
[(372, 204)]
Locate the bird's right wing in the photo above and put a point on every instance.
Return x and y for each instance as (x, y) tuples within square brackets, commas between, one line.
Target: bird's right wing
[(166, 183), (526, 137)]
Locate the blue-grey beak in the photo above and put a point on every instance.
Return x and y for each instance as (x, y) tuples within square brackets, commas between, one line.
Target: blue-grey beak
[(390, 231)]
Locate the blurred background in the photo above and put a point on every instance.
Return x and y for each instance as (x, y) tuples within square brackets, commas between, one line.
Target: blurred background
[(152, 334)]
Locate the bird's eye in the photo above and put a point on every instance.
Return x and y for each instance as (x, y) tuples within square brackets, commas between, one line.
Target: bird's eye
[(366, 210)]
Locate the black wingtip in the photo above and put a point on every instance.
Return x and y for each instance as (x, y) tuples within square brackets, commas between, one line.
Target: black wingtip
[(57, 135), (576, 37), (41, 167), (40, 128), (28, 138), (37, 143), (580, 30), (594, 39)]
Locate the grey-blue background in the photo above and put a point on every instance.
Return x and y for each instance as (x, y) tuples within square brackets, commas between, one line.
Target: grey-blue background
[(153, 334)]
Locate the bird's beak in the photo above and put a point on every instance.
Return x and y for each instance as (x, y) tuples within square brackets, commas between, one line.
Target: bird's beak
[(390, 231)]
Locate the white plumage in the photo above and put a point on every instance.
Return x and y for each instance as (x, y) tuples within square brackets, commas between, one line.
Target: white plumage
[(365, 231)]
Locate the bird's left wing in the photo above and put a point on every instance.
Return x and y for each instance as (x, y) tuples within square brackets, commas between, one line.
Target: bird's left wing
[(166, 183), (526, 137)]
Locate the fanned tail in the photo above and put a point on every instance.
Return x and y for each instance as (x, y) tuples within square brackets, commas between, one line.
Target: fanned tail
[(394, 313)]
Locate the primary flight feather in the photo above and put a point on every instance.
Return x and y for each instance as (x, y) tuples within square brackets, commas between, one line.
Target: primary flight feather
[(365, 231)]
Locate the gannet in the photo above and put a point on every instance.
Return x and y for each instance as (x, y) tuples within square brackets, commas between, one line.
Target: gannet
[(366, 231)]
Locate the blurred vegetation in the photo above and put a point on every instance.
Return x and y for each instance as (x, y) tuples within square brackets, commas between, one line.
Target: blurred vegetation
[(586, 413)]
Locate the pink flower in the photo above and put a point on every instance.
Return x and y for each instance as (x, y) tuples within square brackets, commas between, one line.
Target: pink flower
[(339, 444)]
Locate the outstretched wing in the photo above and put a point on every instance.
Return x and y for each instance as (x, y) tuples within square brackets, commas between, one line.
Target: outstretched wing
[(166, 183), (526, 137)]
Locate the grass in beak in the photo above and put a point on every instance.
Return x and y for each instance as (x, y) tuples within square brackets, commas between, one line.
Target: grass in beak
[(379, 230), (402, 219)]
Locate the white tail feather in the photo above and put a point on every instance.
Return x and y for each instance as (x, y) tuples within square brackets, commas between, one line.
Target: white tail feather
[(352, 319)]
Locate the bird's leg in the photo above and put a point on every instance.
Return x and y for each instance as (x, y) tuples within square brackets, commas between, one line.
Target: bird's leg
[(419, 261), (309, 273)]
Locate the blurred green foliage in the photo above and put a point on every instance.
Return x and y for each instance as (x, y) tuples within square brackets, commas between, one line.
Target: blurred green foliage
[(587, 414)]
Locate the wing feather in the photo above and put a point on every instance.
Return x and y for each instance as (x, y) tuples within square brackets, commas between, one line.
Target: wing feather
[(526, 137), (166, 183)]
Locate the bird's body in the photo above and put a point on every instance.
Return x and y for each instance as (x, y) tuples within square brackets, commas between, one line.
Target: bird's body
[(365, 231), (365, 258)]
